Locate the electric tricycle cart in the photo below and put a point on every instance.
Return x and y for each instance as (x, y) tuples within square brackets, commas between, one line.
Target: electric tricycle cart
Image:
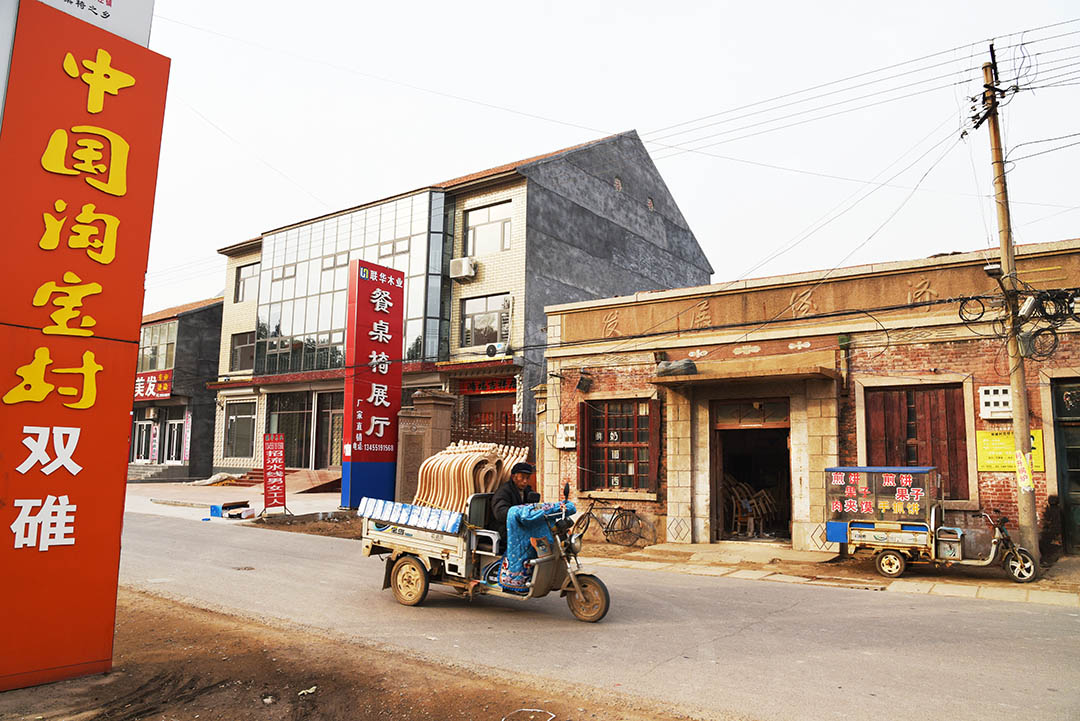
[(897, 514)]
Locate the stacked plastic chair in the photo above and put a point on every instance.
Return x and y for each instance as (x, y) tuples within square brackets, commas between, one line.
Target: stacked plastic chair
[(448, 478)]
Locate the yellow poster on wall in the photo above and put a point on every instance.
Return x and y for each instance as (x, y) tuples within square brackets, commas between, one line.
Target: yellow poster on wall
[(996, 451)]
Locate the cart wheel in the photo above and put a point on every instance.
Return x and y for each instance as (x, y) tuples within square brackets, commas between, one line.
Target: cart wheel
[(1021, 566), (890, 563), (592, 603), (409, 581)]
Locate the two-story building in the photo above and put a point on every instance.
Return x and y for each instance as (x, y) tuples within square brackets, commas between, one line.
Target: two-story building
[(172, 418), (482, 255)]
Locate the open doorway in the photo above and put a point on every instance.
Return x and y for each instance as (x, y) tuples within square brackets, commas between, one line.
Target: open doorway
[(751, 470)]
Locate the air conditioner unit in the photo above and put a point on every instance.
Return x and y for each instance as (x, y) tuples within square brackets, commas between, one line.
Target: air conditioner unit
[(462, 268), (150, 414), (494, 349)]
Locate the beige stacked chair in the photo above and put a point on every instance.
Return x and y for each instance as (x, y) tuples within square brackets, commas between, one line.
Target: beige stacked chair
[(448, 478)]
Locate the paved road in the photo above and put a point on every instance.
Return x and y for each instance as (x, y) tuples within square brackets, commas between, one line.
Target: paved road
[(722, 645)]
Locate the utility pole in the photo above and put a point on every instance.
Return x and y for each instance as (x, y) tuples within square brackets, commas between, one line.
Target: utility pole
[(1025, 489)]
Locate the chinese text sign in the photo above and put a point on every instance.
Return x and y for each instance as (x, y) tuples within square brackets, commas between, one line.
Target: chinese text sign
[(79, 146), (372, 382), (273, 470), (880, 494)]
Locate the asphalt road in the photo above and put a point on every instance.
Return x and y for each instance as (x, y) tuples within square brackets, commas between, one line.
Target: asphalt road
[(721, 645)]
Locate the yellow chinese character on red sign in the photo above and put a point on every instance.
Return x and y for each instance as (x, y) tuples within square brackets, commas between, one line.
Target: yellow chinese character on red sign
[(34, 388), (69, 298), (83, 234), (102, 78), (89, 155)]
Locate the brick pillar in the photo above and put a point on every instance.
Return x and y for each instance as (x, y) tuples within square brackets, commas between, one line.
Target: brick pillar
[(680, 528), (819, 444), (423, 431)]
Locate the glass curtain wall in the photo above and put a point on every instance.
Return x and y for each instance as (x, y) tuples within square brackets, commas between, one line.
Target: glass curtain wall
[(303, 284)]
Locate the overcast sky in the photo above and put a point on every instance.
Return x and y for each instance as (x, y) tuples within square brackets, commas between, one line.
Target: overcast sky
[(281, 111)]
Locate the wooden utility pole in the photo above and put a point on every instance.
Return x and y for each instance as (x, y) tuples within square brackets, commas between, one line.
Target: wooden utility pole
[(1025, 489)]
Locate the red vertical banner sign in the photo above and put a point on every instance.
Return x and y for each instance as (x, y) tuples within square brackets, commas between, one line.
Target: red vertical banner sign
[(374, 333), (273, 471), (79, 148)]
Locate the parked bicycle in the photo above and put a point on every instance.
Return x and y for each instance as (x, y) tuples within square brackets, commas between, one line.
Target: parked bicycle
[(623, 526)]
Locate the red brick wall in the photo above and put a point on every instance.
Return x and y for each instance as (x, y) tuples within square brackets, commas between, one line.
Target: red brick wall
[(986, 361), (622, 374)]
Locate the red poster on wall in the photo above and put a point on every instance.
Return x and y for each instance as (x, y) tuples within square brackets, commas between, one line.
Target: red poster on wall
[(373, 340), (79, 148), (273, 470)]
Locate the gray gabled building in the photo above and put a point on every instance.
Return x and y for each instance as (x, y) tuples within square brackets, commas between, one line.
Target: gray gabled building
[(483, 254)]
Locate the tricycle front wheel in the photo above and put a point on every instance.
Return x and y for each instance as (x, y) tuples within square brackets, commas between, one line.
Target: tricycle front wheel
[(1021, 566), (409, 581), (890, 563), (592, 603)]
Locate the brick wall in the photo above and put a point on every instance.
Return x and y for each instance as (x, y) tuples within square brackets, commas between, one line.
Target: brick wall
[(236, 317), (986, 362), (502, 272)]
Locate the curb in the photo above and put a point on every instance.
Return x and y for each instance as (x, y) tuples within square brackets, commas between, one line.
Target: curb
[(1017, 594)]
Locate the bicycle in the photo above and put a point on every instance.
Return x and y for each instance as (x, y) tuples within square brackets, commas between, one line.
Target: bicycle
[(624, 526)]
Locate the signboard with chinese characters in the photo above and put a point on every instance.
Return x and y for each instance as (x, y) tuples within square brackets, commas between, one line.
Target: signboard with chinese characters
[(153, 385), (79, 146), (273, 470), (996, 451), (480, 386), (373, 342), (881, 494)]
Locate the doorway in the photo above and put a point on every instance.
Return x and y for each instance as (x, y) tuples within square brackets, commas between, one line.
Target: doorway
[(329, 429), (1067, 439), (140, 446), (751, 470)]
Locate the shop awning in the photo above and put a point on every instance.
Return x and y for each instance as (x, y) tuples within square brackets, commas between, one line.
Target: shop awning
[(801, 366)]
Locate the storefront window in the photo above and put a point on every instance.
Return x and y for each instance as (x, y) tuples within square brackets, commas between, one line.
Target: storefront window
[(290, 414), (240, 429), (621, 443)]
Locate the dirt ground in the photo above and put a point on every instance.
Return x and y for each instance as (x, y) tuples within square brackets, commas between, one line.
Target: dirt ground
[(173, 661)]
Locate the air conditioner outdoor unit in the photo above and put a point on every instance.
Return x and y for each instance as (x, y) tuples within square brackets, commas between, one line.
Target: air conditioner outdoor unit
[(494, 349), (462, 268)]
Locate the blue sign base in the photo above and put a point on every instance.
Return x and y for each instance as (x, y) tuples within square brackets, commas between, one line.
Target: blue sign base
[(374, 480)]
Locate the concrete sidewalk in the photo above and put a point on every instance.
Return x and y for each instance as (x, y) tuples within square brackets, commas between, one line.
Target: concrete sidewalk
[(1059, 585), (773, 562)]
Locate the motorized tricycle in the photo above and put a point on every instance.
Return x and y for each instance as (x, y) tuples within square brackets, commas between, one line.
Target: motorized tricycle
[(897, 514), (426, 545)]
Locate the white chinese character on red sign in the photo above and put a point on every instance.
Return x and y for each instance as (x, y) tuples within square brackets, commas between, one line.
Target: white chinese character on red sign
[(52, 525), (64, 441), (380, 332), (381, 300), (378, 395)]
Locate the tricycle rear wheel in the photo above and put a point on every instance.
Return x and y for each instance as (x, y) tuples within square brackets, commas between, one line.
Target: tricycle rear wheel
[(1021, 566), (592, 603), (890, 563), (409, 581)]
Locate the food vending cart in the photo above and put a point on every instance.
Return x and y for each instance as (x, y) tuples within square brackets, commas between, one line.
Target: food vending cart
[(897, 514)]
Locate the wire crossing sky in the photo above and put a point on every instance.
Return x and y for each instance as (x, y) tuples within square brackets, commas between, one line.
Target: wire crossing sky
[(788, 133)]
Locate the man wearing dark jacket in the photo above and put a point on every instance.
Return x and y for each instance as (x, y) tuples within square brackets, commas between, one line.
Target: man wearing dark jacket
[(513, 492)]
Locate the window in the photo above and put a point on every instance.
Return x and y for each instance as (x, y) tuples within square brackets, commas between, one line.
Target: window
[(242, 355), (618, 445), (247, 283), (485, 320), (487, 229), (920, 426), (157, 345), (240, 429)]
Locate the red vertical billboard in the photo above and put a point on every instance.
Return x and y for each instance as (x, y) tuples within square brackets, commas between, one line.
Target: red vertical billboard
[(79, 148), (373, 343), (273, 471)]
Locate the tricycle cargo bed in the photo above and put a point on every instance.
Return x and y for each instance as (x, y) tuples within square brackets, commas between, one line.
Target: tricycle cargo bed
[(380, 537)]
